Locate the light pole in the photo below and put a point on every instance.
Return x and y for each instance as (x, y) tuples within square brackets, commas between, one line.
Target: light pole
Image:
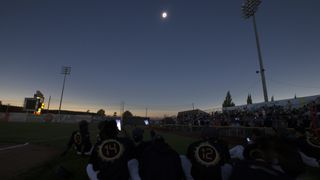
[(49, 104), (65, 71), (7, 110), (249, 8)]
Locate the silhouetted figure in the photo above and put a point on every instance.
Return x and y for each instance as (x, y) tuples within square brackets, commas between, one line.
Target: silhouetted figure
[(309, 147), (110, 156), (269, 158), (160, 162), (152, 135), (101, 125), (81, 140), (208, 156), (237, 152), (140, 145)]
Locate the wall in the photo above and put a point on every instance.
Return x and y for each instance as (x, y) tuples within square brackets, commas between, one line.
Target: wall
[(24, 117)]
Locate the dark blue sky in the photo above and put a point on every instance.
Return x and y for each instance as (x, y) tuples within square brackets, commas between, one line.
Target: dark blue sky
[(121, 50)]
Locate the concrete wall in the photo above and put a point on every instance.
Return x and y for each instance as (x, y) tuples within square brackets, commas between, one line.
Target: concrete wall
[(29, 117)]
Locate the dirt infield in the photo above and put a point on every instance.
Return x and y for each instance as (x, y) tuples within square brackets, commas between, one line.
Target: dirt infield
[(16, 159)]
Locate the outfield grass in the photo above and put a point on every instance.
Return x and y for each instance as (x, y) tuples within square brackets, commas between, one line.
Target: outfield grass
[(57, 135), (54, 135)]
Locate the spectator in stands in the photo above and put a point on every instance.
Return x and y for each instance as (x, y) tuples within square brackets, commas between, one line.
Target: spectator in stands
[(80, 139), (110, 156)]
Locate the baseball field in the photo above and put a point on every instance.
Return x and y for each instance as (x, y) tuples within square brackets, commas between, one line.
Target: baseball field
[(32, 151)]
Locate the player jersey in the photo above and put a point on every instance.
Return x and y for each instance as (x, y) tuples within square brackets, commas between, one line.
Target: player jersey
[(110, 158), (206, 157), (81, 141), (256, 170), (285, 155), (310, 146)]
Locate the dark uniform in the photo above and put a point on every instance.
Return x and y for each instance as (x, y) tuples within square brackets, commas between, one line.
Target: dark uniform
[(266, 153), (80, 139), (207, 157), (310, 146), (137, 136), (256, 170), (139, 149), (160, 162), (110, 158), (111, 154)]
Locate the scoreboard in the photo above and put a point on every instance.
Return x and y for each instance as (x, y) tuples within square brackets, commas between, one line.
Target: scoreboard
[(35, 104)]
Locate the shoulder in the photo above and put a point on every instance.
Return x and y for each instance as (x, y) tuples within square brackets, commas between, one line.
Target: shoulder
[(126, 142), (193, 145)]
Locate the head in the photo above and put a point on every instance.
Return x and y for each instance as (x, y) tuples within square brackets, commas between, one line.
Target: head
[(109, 130)]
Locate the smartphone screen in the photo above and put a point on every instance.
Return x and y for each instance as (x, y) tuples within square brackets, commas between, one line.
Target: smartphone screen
[(118, 124)]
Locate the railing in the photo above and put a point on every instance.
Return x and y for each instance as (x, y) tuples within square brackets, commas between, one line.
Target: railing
[(222, 131)]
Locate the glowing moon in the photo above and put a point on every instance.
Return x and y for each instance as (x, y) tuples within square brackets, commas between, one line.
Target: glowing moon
[(164, 15)]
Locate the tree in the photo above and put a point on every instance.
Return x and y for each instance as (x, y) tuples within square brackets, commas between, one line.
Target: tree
[(249, 99), (272, 99), (101, 112), (168, 120), (295, 96), (127, 117), (228, 101)]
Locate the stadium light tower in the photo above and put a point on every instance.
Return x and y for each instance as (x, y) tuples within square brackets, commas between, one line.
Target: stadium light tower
[(66, 70), (249, 8)]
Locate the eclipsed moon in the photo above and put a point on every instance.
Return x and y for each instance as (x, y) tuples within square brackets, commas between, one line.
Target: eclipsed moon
[(164, 15)]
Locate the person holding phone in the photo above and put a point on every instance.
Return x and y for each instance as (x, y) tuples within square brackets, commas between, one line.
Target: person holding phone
[(110, 156)]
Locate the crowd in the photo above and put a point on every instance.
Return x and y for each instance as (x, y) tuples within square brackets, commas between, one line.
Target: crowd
[(117, 157), (268, 116)]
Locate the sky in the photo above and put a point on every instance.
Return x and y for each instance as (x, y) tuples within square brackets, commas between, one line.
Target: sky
[(123, 51)]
